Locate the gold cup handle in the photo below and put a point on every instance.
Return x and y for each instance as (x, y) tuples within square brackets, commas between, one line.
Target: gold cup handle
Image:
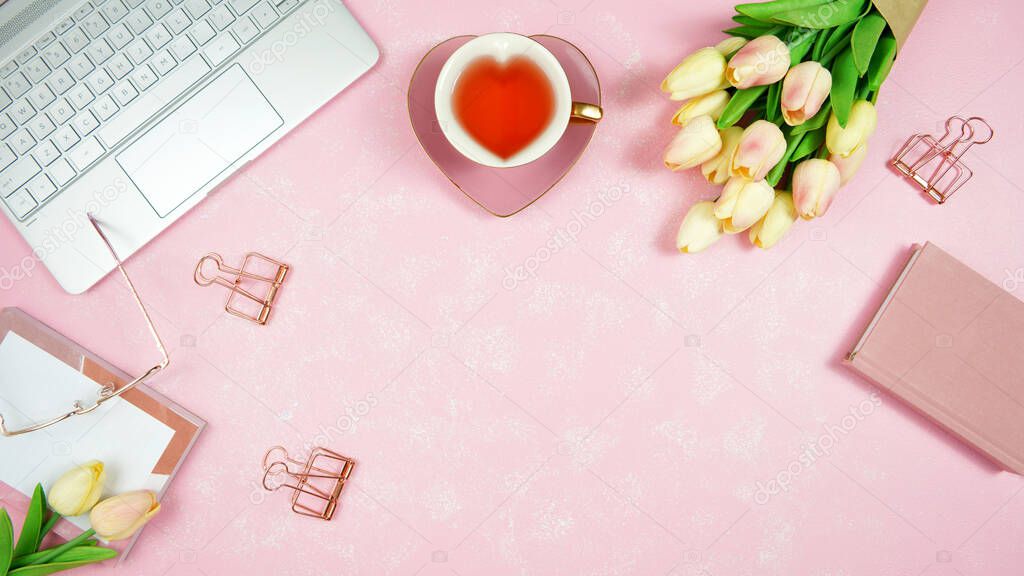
[(582, 111)]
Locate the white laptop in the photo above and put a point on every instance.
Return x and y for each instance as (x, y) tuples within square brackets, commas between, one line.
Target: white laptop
[(134, 110)]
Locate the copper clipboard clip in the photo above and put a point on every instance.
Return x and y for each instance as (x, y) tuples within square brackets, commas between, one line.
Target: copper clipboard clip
[(316, 484), (234, 278), (935, 165)]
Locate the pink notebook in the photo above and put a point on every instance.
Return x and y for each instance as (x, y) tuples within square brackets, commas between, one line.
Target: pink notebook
[(951, 344)]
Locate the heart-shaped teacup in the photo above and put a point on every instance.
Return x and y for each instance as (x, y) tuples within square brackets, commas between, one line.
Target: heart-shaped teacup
[(503, 191)]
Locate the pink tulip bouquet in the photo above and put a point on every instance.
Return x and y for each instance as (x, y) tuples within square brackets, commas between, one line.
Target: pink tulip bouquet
[(780, 113)]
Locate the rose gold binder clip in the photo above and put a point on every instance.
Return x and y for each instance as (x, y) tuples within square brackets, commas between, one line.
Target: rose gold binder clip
[(316, 484), (936, 165), (242, 302)]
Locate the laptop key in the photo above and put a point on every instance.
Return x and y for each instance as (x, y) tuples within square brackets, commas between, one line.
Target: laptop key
[(41, 96), (6, 156), (265, 15), (119, 36), (220, 17), (221, 49), (5, 100), (85, 154), (80, 96), (8, 69), (99, 51), (84, 123), (196, 8), (104, 107), (60, 172), (36, 70), (41, 126), (21, 204), (82, 11), (178, 21), (95, 25), (138, 51), (16, 85), (158, 36), (60, 112), (16, 175), (61, 81), (55, 54), (163, 62), (144, 77), (46, 153), (139, 21), (158, 8), (119, 66), (64, 25), (41, 188), (6, 125), (25, 55), (65, 138), (245, 30), (99, 81), (202, 33), (22, 142), (242, 6), (182, 48), (22, 112), (76, 40), (114, 10), (124, 92)]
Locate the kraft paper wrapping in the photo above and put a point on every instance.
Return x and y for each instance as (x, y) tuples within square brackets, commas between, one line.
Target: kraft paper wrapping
[(901, 16)]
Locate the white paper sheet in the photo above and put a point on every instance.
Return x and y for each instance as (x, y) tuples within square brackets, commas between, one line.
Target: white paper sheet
[(36, 386)]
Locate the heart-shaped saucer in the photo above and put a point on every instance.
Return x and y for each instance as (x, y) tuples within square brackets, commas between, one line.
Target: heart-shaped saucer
[(503, 191)]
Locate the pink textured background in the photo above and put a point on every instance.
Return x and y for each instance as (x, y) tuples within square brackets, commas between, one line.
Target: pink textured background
[(613, 413)]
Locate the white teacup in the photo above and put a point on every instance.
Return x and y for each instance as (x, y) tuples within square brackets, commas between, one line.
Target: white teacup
[(502, 47)]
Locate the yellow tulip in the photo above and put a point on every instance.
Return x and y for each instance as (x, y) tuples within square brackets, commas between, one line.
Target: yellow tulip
[(731, 45), (711, 104), (694, 145), (120, 517), (718, 170), (699, 73), (743, 202), (815, 183), (804, 90), (762, 147), (699, 229), (762, 61), (78, 490), (859, 127), (776, 222)]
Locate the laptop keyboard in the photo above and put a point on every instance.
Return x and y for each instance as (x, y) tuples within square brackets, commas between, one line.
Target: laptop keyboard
[(87, 84)]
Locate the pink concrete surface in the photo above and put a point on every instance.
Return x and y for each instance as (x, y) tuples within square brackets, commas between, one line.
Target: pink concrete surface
[(615, 408)]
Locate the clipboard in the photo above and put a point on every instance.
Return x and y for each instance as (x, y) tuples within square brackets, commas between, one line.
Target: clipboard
[(183, 426)]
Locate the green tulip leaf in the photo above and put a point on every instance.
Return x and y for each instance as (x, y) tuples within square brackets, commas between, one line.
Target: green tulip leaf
[(738, 105), (765, 11), (844, 86), (819, 45), (816, 121), (748, 21), (75, 554), (73, 558), (823, 16), (750, 32), (800, 42), (773, 109), (838, 39), (28, 542), (792, 141), (810, 144), (864, 39), (881, 61), (6, 542)]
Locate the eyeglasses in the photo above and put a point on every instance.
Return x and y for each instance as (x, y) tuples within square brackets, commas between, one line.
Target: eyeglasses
[(110, 391)]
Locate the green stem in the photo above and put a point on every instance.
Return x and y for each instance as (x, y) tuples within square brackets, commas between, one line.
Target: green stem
[(58, 550), (54, 518)]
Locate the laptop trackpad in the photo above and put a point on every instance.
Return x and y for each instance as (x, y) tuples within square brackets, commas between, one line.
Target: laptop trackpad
[(184, 152)]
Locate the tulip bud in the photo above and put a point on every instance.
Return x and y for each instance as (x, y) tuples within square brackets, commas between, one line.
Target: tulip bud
[(698, 74), (762, 147), (119, 517), (764, 60), (815, 183), (731, 45), (804, 90), (695, 144), (699, 229), (718, 170), (743, 202), (859, 127), (78, 490), (711, 104), (849, 165), (776, 222)]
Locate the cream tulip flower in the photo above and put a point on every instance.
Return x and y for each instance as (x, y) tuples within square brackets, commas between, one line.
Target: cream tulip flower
[(700, 228), (804, 91), (859, 127), (776, 222), (762, 147), (120, 517), (849, 165), (695, 144), (762, 61), (743, 202), (731, 45), (815, 183), (699, 73), (712, 104), (78, 490), (718, 170)]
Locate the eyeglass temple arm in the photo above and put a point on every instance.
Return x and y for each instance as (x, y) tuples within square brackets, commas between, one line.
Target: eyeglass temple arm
[(109, 391)]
